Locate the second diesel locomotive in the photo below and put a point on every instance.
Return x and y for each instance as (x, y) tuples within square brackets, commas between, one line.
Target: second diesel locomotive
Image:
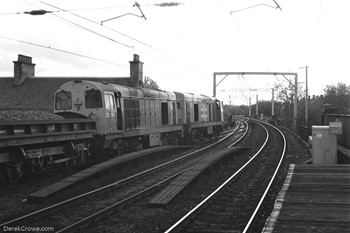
[(132, 118)]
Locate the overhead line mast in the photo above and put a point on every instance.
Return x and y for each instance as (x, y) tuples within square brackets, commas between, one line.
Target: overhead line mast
[(295, 112)]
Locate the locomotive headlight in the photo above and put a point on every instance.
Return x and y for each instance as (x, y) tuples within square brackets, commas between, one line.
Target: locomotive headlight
[(78, 103)]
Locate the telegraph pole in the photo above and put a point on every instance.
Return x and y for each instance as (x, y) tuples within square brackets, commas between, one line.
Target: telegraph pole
[(250, 107), (273, 103), (306, 99), (295, 103), (257, 107)]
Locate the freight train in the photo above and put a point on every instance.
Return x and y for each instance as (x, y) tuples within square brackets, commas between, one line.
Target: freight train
[(99, 116)]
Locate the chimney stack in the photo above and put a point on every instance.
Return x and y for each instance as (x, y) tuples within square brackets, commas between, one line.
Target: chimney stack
[(136, 71), (23, 69)]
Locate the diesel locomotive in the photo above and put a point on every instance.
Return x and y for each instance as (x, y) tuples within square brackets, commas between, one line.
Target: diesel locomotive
[(98, 118), (133, 118)]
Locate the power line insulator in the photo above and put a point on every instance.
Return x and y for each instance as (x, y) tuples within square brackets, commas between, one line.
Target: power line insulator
[(37, 12), (168, 4)]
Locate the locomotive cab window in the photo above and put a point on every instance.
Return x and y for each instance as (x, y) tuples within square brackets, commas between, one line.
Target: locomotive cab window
[(63, 100), (109, 101), (93, 99), (196, 113), (117, 97), (164, 113)]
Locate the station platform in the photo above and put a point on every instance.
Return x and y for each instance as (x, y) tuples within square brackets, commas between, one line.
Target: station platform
[(314, 198), (98, 169)]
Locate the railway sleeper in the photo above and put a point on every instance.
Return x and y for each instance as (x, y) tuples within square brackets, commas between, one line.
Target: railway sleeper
[(219, 213)]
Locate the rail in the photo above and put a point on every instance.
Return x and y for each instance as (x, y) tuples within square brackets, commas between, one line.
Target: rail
[(43, 212), (272, 179), (191, 214)]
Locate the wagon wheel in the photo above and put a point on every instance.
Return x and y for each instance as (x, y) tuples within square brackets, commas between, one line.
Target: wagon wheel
[(9, 176)]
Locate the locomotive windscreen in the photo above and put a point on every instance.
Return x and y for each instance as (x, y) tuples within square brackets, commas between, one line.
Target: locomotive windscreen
[(93, 99), (63, 100)]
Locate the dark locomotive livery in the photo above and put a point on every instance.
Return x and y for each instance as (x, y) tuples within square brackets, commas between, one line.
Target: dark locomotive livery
[(131, 118)]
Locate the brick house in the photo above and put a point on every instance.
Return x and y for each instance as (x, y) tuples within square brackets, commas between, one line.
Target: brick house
[(25, 91)]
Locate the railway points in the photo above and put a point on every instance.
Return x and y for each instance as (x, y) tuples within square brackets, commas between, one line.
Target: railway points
[(314, 198), (47, 192)]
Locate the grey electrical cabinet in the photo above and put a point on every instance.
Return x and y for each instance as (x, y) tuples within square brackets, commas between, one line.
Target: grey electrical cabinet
[(324, 145)]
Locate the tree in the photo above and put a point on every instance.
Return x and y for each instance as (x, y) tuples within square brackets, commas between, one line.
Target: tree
[(149, 83), (338, 96), (265, 107), (285, 92), (340, 89)]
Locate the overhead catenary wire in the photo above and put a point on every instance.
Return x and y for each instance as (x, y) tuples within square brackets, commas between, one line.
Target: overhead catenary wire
[(78, 26), (98, 23), (251, 89), (165, 4), (61, 50), (92, 21), (261, 4), (174, 60), (96, 33), (32, 12), (86, 29), (69, 10), (97, 8), (279, 81)]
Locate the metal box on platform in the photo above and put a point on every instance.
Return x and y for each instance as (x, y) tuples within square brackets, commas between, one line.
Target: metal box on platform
[(324, 146)]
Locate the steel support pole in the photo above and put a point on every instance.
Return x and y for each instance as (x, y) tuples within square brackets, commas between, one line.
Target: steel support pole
[(257, 107), (214, 85), (250, 107), (295, 113), (273, 103), (306, 100)]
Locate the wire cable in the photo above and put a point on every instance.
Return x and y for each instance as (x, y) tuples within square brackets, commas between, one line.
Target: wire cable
[(98, 23), (96, 33), (261, 4), (180, 64), (11, 13), (85, 28), (62, 51), (251, 89), (70, 10)]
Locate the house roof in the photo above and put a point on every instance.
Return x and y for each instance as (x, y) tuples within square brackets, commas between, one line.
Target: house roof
[(38, 93)]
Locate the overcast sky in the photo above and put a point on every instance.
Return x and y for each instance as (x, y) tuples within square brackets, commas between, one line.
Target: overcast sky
[(182, 46)]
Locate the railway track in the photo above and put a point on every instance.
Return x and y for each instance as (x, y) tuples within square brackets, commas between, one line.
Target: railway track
[(80, 211), (233, 206)]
